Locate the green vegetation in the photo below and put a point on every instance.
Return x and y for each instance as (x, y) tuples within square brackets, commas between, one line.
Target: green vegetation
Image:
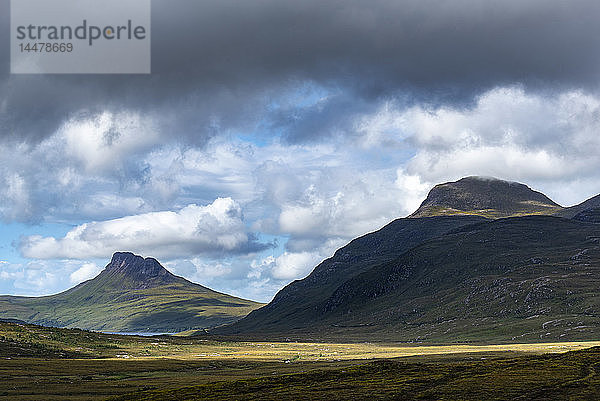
[(131, 294), (494, 199), (486, 197), (298, 306), (531, 278), (572, 376), (525, 279), (41, 363), (435, 210), (570, 212), (466, 273), (177, 306)]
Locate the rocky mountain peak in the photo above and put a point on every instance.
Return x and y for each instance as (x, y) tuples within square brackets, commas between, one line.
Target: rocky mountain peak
[(485, 196), (137, 268)]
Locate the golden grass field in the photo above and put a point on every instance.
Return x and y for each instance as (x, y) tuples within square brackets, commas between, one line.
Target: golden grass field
[(41, 363), (292, 351)]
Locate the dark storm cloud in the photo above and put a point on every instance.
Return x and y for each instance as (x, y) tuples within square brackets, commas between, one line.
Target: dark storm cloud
[(220, 64)]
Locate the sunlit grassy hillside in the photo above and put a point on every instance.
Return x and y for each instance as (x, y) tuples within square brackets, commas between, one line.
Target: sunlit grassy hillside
[(131, 294)]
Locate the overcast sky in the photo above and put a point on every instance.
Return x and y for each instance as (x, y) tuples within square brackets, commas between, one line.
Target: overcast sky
[(272, 132)]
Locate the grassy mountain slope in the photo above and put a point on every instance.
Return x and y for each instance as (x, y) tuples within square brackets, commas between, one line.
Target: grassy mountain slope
[(589, 216), (570, 212), (487, 197), (131, 294), (297, 305), (528, 279), (455, 276)]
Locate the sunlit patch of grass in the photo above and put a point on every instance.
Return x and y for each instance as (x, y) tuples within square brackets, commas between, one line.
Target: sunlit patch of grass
[(66, 364), (80, 343), (570, 375)]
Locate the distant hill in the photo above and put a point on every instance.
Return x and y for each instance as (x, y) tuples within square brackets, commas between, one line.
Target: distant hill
[(487, 197), (452, 277), (131, 294), (570, 212)]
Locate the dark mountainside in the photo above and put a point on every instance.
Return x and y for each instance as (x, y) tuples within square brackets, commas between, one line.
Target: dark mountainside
[(451, 278), (299, 304), (131, 294), (570, 212), (589, 216), (487, 197)]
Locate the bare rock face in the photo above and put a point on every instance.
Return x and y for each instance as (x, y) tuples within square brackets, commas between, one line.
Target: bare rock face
[(137, 271), (485, 196)]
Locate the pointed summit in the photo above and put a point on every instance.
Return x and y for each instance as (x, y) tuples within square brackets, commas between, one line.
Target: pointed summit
[(146, 272), (485, 196), (131, 294)]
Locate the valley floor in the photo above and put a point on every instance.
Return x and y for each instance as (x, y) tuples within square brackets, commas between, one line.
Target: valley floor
[(40, 363)]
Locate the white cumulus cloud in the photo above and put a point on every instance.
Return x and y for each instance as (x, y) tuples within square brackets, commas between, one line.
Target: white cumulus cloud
[(290, 265), (193, 230), (85, 272)]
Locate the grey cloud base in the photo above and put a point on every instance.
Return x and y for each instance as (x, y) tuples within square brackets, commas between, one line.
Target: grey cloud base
[(221, 64)]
